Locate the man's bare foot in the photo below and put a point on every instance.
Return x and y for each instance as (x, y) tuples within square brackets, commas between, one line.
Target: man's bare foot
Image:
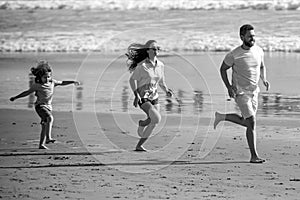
[(217, 119), (257, 160), (43, 147)]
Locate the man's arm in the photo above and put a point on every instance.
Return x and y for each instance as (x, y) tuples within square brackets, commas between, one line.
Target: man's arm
[(223, 71), (263, 76)]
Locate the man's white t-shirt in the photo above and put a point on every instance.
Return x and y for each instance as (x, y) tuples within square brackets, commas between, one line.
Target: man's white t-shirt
[(245, 68)]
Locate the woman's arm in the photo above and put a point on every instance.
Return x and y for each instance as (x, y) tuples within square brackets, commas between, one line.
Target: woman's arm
[(133, 85), (163, 85)]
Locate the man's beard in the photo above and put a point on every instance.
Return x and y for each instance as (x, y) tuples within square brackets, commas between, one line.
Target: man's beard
[(249, 44)]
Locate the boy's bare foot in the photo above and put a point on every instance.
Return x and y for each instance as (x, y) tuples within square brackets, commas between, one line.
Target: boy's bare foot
[(257, 160), (50, 141), (217, 119), (43, 147)]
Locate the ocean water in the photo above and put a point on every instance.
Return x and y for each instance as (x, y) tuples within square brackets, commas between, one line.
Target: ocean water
[(86, 40), (180, 25)]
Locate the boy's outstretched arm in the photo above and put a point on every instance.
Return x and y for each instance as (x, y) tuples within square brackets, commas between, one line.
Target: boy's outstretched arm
[(69, 82), (23, 94)]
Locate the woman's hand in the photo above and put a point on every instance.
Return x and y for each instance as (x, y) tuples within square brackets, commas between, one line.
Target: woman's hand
[(12, 99), (136, 101), (169, 93)]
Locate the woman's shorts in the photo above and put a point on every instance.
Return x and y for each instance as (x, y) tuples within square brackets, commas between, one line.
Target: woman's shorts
[(43, 112), (247, 104), (144, 100)]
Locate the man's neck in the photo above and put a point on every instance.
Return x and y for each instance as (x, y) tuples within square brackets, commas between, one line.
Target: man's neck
[(245, 47)]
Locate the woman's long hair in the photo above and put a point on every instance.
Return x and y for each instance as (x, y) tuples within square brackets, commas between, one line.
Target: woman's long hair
[(40, 70), (136, 53)]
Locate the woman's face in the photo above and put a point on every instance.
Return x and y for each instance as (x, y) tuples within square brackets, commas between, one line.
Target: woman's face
[(153, 50), (46, 77)]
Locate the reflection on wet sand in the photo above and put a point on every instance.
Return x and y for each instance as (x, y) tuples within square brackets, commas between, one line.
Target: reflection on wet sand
[(79, 96), (183, 102), (125, 98), (31, 96), (277, 104)]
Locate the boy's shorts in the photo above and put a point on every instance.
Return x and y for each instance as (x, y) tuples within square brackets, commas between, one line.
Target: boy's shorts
[(247, 104), (43, 112)]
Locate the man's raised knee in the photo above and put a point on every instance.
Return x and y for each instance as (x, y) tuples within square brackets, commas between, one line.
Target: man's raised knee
[(250, 122), (49, 119)]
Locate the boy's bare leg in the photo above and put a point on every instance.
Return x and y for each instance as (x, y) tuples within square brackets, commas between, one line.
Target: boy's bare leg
[(43, 137), (49, 130)]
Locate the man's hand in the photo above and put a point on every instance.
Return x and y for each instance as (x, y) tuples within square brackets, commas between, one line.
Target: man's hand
[(12, 99), (267, 85), (76, 83)]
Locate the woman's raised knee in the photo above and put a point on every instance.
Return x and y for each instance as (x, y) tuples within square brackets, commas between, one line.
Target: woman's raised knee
[(154, 116)]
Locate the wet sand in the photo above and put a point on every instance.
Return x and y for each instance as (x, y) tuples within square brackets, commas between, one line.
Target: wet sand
[(79, 167)]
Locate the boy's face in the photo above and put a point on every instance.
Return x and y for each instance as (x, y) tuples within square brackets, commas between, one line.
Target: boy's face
[(46, 77)]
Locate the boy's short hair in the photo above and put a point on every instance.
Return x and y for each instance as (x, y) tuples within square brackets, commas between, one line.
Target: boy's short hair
[(245, 28)]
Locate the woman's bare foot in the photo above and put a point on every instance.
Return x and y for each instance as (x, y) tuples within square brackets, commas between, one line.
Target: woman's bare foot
[(43, 147), (50, 141)]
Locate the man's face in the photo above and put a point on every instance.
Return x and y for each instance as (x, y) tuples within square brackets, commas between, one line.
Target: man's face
[(249, 38)]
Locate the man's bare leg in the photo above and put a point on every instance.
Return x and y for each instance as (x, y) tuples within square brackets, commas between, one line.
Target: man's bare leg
[(249, 123)]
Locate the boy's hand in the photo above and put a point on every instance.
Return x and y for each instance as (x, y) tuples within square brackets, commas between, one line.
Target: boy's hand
[(76, 83), (12, 99)]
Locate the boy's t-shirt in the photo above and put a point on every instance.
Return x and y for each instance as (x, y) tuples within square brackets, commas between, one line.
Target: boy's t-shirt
[(148, 77), (245, 68), (44, 93)]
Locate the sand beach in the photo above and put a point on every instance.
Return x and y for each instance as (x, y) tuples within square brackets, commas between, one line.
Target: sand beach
[(74, 170), (95, 122)]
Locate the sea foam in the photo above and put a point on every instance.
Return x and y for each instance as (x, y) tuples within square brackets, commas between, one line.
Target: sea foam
[(190, 41), (152, 4)]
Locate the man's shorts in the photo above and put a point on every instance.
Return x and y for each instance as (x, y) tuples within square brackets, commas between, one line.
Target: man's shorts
[(248, 104), (43, 112)]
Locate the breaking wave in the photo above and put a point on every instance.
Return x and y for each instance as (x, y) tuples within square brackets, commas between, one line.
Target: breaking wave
[(152, 4)]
